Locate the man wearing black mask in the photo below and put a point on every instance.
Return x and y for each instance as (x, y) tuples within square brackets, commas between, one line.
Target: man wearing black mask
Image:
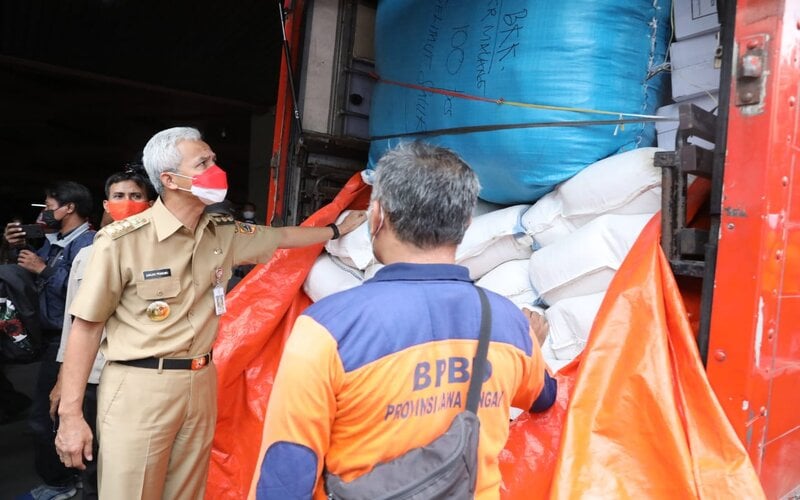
[(67, 208)]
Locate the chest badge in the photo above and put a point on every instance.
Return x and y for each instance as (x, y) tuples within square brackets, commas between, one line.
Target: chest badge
[(158, 311)]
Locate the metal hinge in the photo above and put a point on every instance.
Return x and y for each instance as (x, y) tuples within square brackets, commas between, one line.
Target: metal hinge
[(751, 74)]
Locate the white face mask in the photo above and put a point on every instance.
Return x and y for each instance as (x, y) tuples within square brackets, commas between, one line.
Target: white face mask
[(249, 214), (374, 233)]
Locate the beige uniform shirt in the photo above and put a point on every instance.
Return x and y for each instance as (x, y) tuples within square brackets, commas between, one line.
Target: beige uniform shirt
[(151, 257)]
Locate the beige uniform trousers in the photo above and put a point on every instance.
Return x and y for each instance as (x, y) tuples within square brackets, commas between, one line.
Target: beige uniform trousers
[(155, 432)]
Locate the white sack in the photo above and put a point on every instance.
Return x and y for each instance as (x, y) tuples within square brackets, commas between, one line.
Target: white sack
[(329, 275), (512, 281), (505, 249), (626, 183), (545, 221), (492, 239), (584, 262), (354, 248), (488, 228), (611, 183), (570, 322)]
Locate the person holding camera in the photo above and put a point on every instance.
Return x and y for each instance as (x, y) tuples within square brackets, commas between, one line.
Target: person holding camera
[(66, 213)]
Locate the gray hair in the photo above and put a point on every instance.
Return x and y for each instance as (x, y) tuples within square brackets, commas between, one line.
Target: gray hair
[(427, 192), (161, 152)]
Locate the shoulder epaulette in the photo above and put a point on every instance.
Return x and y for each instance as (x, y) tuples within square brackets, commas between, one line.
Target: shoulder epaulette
[(125, 226), (221, 219)]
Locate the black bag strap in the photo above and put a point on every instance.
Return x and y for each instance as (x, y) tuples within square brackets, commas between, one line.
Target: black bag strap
[(479, 365)]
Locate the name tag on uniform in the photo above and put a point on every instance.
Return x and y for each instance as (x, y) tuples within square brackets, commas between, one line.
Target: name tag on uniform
[(219, 300), (219, 292), (157, 273)]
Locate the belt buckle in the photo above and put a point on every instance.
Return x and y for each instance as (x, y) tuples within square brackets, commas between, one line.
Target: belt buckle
[(198, 363)]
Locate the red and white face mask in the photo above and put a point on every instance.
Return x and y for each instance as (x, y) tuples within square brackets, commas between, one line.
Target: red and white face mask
[(210, 187)]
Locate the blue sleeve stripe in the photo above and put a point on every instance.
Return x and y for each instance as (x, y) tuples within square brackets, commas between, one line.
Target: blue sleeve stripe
[(288, 472), (547, 397)]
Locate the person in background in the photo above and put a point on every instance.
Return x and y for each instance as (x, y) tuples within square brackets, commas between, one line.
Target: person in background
[(66, 213), (377, 370), (249, 213), (13, 403), (8, 253), (157, 282), (127, 193)]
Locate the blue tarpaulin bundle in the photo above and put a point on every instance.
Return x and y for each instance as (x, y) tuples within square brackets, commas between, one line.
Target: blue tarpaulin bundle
[(489, 79)]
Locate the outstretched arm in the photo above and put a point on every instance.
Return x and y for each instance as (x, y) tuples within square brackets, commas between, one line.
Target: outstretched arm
[(293, 237)]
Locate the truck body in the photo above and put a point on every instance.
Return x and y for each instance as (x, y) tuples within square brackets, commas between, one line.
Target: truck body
[(746, 260)]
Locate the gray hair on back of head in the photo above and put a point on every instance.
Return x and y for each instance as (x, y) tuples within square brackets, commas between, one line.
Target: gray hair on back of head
[(161, 152), (427, 192)]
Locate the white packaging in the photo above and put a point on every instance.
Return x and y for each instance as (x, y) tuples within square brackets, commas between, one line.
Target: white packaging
[(611, 183), (545, 222), (570, 322), (694, 17), (584, 262), (354, 248), (625, 183), (494, 238), (505, 249), (695, 69), (329, 275), (667, 130), (511, 280), (486, 229)]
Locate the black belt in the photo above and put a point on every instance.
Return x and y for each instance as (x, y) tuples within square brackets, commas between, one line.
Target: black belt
[(169, 363)]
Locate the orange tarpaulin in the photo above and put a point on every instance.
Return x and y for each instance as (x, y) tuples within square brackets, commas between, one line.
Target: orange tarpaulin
[(261, 311), (635, 415)]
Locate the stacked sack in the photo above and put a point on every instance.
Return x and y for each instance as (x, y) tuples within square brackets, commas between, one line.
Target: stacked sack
[(495, 249), (345, 263), (557, 256), (582, 231)]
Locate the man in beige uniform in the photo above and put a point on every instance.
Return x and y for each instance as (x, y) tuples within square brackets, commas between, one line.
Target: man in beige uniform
[(156, 280)]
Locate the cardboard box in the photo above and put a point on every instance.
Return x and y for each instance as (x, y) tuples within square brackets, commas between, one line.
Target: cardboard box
[(694, 17), (667, 130), (695, 68)]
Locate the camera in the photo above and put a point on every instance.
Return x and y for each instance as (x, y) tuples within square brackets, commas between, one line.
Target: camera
[(32, 231)]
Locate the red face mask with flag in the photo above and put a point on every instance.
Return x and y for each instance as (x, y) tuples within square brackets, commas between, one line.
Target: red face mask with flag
[(121, 209), (211, 186)]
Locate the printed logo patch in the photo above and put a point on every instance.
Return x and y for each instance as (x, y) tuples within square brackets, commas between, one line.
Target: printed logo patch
[(243, 227)]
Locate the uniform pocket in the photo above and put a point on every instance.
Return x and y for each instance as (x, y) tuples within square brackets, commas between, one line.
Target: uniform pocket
[(111, 386), (158, 289)]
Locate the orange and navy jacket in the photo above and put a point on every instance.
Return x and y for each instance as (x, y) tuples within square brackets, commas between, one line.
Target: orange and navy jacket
[(372, 372)]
